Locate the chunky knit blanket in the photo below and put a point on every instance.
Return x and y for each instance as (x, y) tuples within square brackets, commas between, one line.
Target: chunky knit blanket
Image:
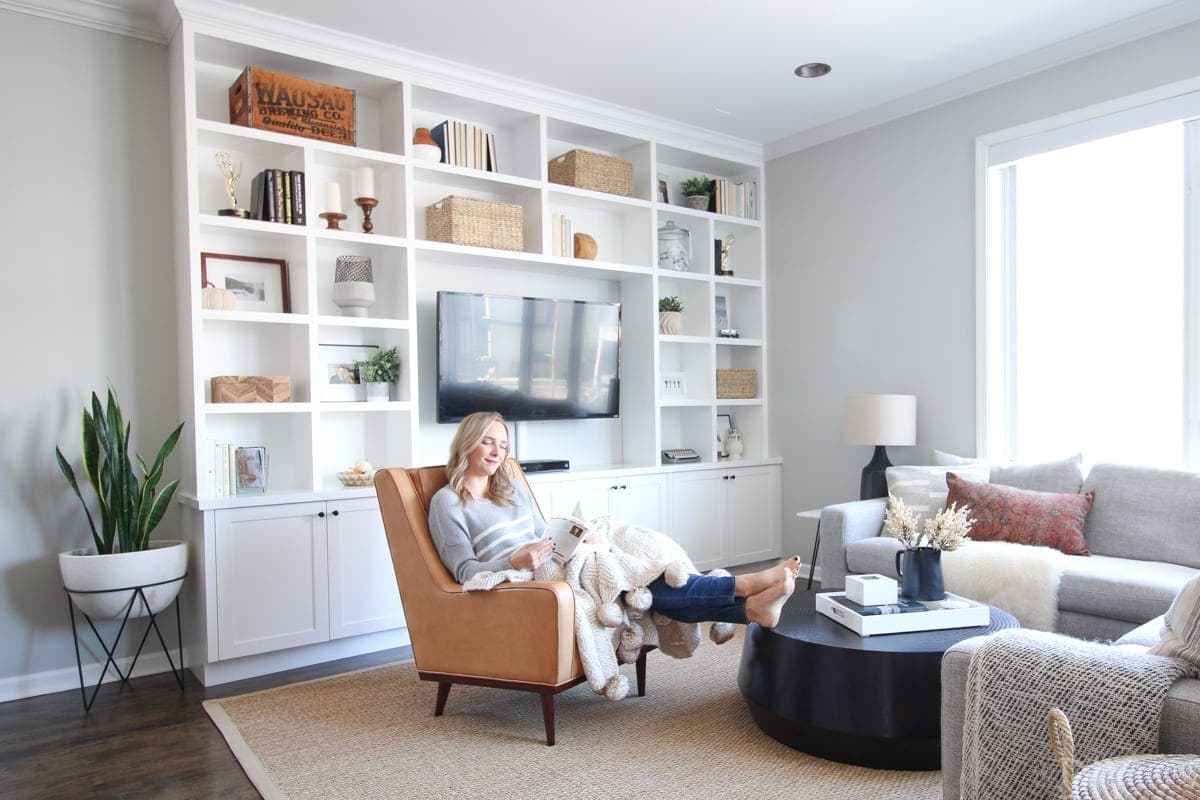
[(1112, 696), (611, 627)]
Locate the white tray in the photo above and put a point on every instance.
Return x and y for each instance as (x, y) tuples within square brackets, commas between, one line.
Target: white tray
[(975, 615)]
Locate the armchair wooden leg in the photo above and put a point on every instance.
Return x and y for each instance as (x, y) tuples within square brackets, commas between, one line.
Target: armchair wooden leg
[(548, 715), (443, 693), (641, 672)]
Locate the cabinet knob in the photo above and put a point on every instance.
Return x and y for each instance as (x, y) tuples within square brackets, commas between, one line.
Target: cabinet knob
[(724, 477), (335, 512), (613, 488), (321, 514), (623, 486), (731, 477)]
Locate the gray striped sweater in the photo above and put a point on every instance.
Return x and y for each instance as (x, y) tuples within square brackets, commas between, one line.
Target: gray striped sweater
[(479, 536)]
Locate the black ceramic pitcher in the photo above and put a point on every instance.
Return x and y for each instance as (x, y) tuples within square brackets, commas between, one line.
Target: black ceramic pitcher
[(920, 571)]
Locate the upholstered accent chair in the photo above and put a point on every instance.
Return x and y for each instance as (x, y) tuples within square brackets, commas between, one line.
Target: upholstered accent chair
[(517, 636)]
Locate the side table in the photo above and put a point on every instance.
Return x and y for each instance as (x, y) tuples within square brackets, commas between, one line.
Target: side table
[(812, 513)]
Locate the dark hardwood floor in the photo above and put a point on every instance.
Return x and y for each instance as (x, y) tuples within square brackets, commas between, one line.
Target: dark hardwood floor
[(144, 740)]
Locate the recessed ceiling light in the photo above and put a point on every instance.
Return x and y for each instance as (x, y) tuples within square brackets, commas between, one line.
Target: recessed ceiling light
[(814, 69)]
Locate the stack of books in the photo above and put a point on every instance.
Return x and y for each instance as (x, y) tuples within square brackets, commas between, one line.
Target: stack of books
[(236, 469), (465, 145), (735, 198), (562, 240), (903, 616), (277, 195)]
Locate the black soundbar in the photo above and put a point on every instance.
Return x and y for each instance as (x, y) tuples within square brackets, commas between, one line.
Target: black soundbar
[(546, 465)]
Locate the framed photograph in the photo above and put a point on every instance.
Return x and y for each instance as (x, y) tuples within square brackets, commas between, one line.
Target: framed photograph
[(674, 385), (338, 378), (260, 284), (664, 194), (722, 309), (724, 425), (251, 466)]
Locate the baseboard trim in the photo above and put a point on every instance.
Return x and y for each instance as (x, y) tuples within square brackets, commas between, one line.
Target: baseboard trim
[(236, 669), (61, 680)]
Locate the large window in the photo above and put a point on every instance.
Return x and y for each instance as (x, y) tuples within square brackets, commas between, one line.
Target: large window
[(1090, 281)]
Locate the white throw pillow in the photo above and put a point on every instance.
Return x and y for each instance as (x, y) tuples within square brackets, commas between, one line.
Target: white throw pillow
[(1180, 637), (924, 490)]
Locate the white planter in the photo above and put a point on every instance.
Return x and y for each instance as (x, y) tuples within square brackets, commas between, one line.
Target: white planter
[(379, 392), (84, 571), (353, 297), (427, 152), (698, 201)]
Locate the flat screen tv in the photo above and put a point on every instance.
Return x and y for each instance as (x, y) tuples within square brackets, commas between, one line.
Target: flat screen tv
[(528, 358)]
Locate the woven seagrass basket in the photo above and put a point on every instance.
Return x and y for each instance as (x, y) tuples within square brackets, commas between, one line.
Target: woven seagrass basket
[(737, 384), (471, 221), (584, 169)]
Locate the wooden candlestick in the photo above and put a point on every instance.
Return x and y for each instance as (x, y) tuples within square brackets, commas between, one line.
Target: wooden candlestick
[(332, 218), (367, 204)]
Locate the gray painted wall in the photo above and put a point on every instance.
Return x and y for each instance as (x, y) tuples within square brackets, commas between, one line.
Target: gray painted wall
[(88, 288), (871, 254)]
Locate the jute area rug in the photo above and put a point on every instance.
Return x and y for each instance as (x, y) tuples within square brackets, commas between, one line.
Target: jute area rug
[(372, 734)]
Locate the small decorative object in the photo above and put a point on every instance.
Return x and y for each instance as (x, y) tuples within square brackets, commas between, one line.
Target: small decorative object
[(670, 316), (919, 565), (729, 333), (258, 284), (251, 388), (584, 169), (734, 445), (673, 385), (365, 180), (872, 590), (721, 307), (674, 247), (425, 147), (361, 474), (479, 223), (214, 298), (585, 247), (251, 464), (724, 426), (697, 190), (273, 101), (353, 285), (664, 195), (231, 175), (379, 372), (737, 384), (722, 253), (333, 207), (341, 383)]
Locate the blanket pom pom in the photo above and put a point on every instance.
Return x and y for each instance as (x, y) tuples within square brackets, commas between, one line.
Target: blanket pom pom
[(639, 599), (610, 615), (617, 687), (721, 632), (676, 574)]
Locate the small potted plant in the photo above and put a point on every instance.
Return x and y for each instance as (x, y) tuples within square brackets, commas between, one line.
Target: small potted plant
[(696, 191), (379, 372), (129, 510), (670, 315)]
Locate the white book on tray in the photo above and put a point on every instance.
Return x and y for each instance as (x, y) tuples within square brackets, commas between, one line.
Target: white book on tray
[(953, 612)]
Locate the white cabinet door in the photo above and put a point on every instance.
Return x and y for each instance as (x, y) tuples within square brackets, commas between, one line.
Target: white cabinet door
[(751, 529), (272, 587), (547, 495), (363, 597), (698, 516), (594, 494), (642, 500)]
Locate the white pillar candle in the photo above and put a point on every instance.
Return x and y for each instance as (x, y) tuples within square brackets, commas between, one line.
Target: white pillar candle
[(333, 198), (366, 182)]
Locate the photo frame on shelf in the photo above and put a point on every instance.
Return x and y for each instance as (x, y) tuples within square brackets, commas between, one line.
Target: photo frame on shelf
[(338, 378), (721, 306), (258, 284), (724, 425), (664, 192), (673, 385), (251, 465)]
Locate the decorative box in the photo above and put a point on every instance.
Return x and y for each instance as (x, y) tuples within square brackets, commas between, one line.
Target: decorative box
[(273, 101), (871, 590), (471, 221), (737, 384), (251, 389), (584, 169)]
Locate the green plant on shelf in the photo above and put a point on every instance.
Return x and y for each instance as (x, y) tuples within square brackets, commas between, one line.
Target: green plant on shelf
[(382, 367), (670, 304), (692, 187)]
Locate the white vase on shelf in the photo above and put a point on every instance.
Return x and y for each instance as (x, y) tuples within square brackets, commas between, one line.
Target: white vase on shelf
[(354, 285), (378, 392)]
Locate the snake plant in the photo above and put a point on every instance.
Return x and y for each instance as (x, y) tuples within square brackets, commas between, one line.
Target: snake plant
[(129, 509)]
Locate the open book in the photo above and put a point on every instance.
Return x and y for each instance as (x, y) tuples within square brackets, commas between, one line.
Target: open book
[(567, 531)]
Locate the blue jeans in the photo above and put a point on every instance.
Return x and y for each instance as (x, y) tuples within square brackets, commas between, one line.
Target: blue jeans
[(702, 599)]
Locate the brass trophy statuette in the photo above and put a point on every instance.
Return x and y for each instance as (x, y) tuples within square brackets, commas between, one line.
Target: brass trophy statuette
[(231, 175), (723, 267)]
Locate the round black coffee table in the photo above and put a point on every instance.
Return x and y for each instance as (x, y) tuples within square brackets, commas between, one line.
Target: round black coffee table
[(874, 701)]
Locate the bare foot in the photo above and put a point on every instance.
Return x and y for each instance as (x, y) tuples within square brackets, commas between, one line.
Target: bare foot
[(766, 606), (755, 582)]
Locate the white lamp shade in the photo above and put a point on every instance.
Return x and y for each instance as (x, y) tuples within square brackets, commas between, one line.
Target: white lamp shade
[(886, 419)]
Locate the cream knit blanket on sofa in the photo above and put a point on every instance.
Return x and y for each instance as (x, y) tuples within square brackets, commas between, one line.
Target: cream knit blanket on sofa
[(611, 628), (1020, 578)]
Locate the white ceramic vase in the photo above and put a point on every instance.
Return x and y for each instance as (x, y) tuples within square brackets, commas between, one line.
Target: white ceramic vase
[(84, 571), (427, 152), (378, 392), (354, 297)]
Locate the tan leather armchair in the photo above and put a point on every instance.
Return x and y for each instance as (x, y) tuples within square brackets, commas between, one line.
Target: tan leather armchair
[(517, 636)]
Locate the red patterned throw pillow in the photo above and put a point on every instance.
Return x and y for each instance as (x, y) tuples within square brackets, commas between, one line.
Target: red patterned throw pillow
[(1002, 513)]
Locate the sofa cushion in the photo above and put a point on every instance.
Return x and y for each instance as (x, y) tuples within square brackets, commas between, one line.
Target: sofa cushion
[(1145, 513), (1144, 635), (1121, 588), (1181, 627), (1064, 475), (924, 490), (876, 554), (1003, 513)]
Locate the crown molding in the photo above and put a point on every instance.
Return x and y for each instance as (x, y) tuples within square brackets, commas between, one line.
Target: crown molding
[(1085, 44), (93, 14)]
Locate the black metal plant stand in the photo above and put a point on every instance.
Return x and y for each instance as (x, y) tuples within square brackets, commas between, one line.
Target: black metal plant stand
[(138, 593)]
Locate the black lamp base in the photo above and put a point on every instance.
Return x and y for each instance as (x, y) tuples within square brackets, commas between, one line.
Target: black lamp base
[(874, 475)]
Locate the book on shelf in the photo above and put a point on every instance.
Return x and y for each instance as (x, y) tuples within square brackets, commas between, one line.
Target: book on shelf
[(562, 242), (733, 198), (567, 531), (277, 195), (953, 612), (298, 216), (465, 145), (287, 197)]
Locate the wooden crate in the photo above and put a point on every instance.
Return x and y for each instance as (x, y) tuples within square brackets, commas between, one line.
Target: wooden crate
[(273, 101), (737, 384), (584, 169), (251, 389), (479, 223)]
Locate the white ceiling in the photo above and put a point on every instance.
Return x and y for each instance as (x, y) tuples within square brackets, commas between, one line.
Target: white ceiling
[(728, 66)]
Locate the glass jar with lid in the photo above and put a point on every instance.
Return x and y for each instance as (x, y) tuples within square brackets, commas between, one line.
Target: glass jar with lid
[(674, 247)]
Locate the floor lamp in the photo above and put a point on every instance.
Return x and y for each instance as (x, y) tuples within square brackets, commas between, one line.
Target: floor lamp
[(880, 420)]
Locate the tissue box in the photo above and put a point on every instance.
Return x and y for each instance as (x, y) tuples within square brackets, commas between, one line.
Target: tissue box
[(871, 590)]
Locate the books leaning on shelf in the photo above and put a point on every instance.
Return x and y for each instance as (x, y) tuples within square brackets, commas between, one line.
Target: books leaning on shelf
[(466, 145), (562, 240), (903, 617), (567, 531), (235, 470), (277, 195), (734, 198)]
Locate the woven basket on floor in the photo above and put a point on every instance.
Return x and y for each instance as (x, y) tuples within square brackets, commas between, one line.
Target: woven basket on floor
[(471, 221), (737, 384), (584, 169), (1141, 777)]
